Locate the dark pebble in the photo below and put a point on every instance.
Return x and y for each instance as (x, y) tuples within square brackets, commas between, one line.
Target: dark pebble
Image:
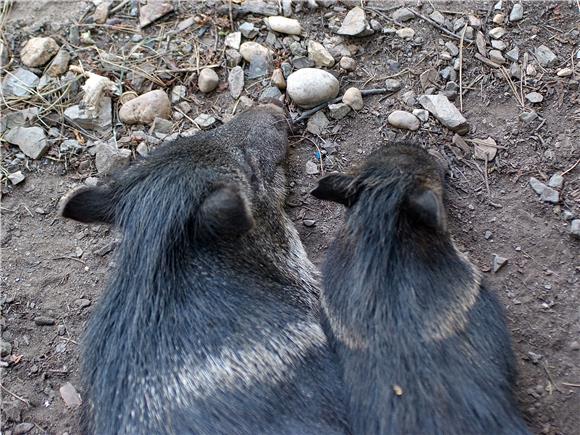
[(44, 321)]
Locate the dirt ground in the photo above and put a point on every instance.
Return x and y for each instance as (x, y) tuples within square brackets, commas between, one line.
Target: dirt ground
[(57, 269)]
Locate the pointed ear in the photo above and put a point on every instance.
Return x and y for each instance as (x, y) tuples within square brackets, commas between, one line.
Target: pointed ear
[(89, 205), (427, 207), (225, 212), (335, 187)]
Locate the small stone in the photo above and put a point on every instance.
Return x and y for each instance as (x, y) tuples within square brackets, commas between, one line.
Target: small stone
[(498, 6), (312, 168), (498, 18), (178, 93), (44, 321), (404, 120), (38, 51), (498, 45), (348, 63), (474, 21), (550, 195), (575, 345), (278, 79), (530, 70), (207, 80), (537, 185), (22, 428), (236, 81), (233, 40), (101, 12), (319, 54), (82, 303), (575, 227), (487, 235), (496, 56), (556, 181), (31, 140), (513, 54), (288, 26), (258, 56), (233, 58), (269, 93), (452, 48), (403, 14), (437, 17), (480, 43), (153, 10), (528, 117), (534, 97), (485, 149), (204, 120), (19, 83), (309, 87), (309, 222), (161, 125), (245, 103), (69, 394), (5, 348), (421, 114), (355, 24), (16, 177), (248, 30), (545, 56), (70, 146), (144, 108), (108, 157), (102, 120), (338, 110), (517, 12), (498, 262), (353, 98), (376, 26), (142, 149), (458, 24), (392, 85), (446, 112), (317, 123), (497, 32), (302, 62), (428, 78), (59, 64), (448, 73), (564, 72), (405, 33)]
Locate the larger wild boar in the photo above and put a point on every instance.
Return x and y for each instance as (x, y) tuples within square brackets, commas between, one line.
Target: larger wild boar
[(423, 344), (210, 322)]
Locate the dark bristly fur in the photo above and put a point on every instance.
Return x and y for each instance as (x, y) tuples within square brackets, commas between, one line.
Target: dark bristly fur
[(423, 345), (210, 323)]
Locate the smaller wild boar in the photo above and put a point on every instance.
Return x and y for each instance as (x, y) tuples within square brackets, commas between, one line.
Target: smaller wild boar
[(422, 343), (210, 322)]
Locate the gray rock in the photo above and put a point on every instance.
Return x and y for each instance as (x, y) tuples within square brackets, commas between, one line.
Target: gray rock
[(208, 80), (5, 348), (513, 54), (297, 49), (70, 146), (309, 87), (233, 58), (404, 120), (545, 56), (204, 120), (517, 12), (233, 40), (286, 69), (403, 14), (428, 78), (405, 33), (488, 234), (355, 24), (353, 98), (38, 51), (550, 195), (452, 48), (22, 428), (153, 10), (537, 185), (236, 81), (480, 43), (474, 21), (302, 62), (311, 168), (59, 64), (338, 110), (178, 93), (31, 140), (44, 321), (534, 97), (392, 85), (556, 181), (245, 103), (446, 112), (319, 54), (16, 177), (144, 108), (528, 117), (259, 58), (101, 121), (421, 114), (69, 394), (448, 73), (248, 30), (458, 24), (309, 222), (19, 83), (497, 32), (317, 123), (161, 125), (496, 56), (575, 228), (271, 92), (288, 26), (498, 262), (109, 158), (437, 17), (498, 45), (348, 63)]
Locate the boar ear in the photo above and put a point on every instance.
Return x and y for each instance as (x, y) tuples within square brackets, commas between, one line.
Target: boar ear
[(225, 212), (89, 205), (335, 187), (427, 207)]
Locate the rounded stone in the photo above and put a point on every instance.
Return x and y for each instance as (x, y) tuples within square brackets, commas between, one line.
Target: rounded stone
[(250, 50), (145, 108), (353, 98), (285, 25), (207, 80), (38, 51), (404, 120), (309, 87), (348, 63)]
